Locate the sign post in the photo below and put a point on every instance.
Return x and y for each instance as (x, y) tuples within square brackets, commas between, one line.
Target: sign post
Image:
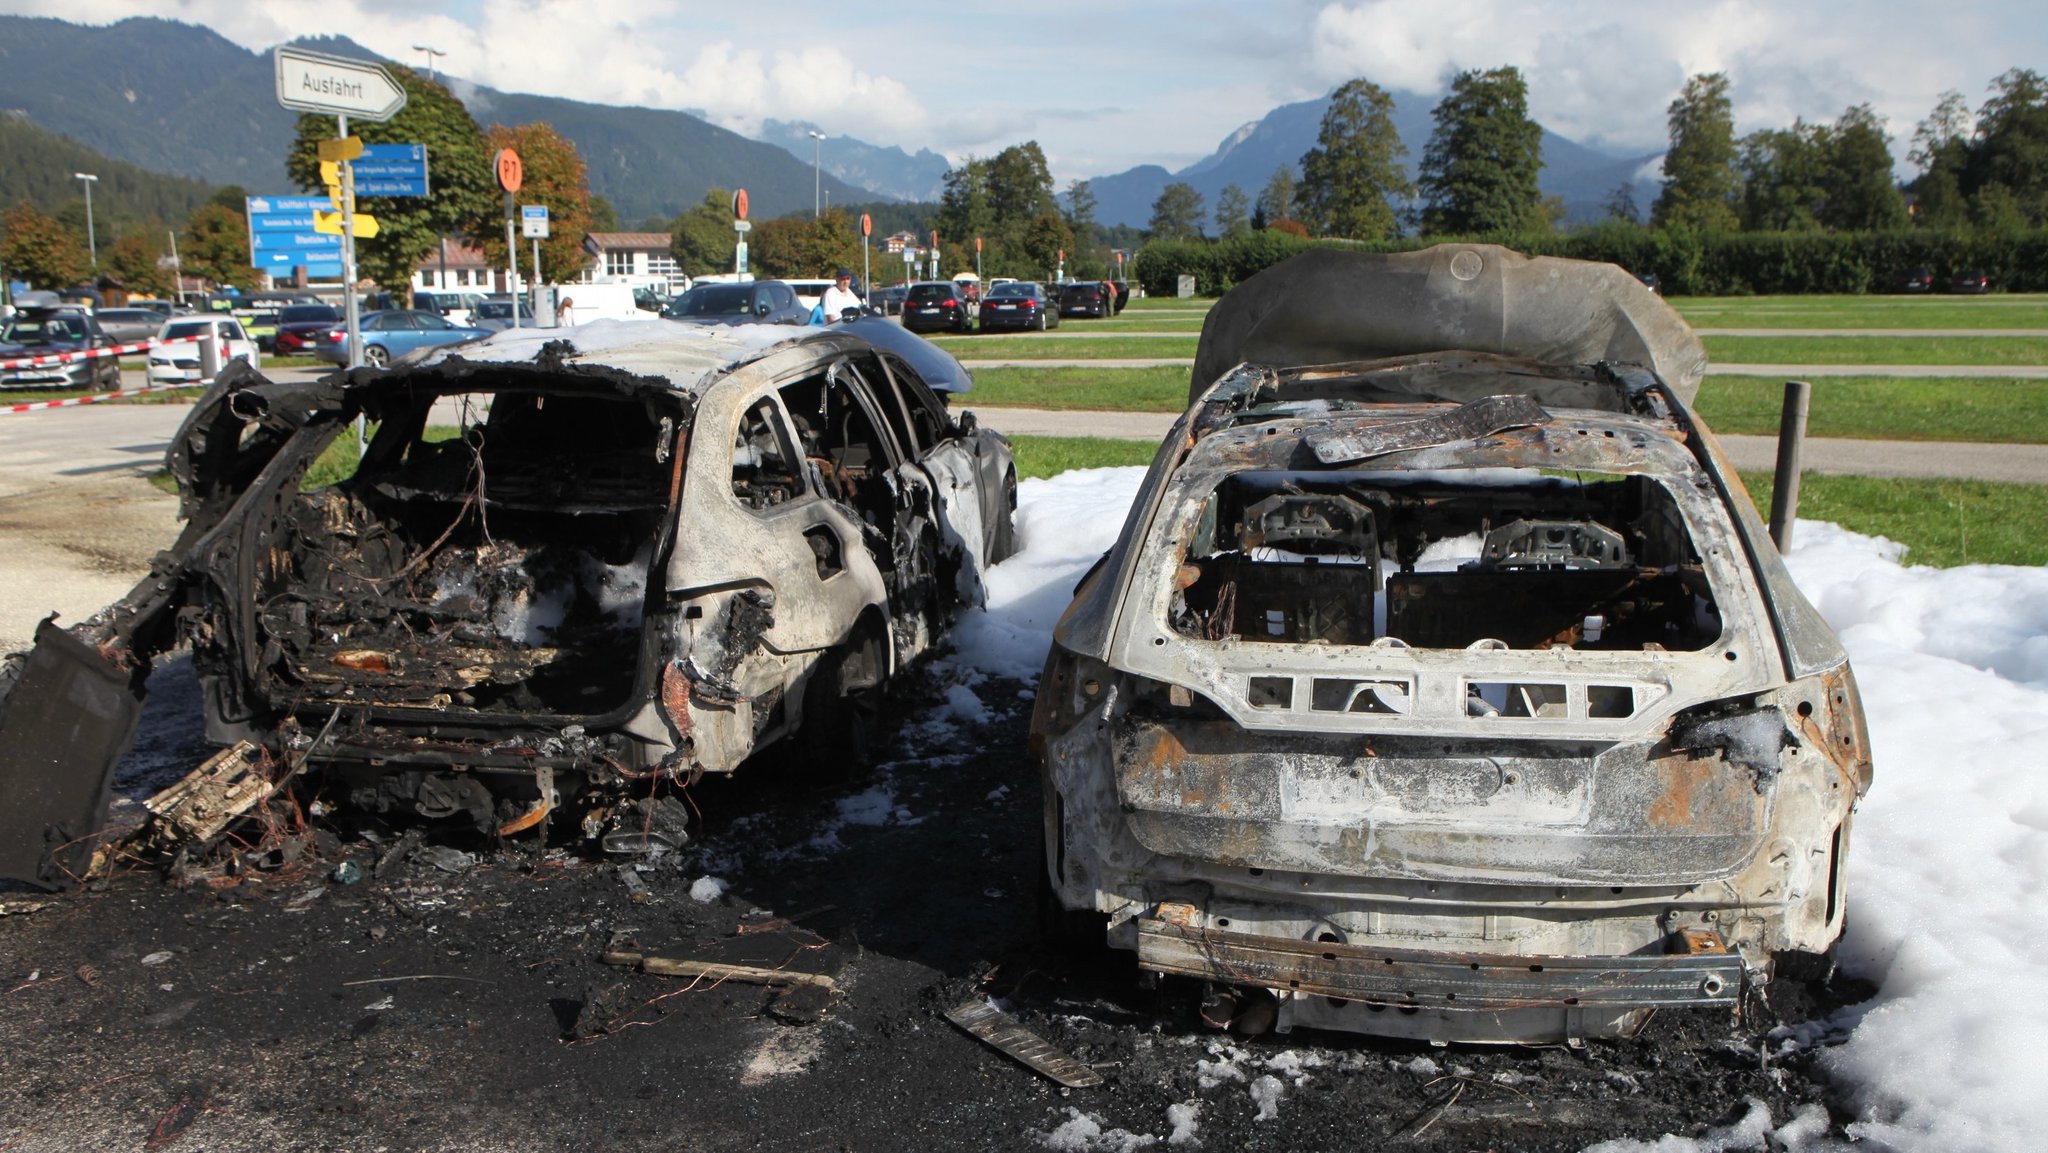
[(511, 174), (867, 229), (533, 224), (977, 257), (740, 228), (935, 256), (317, 82)]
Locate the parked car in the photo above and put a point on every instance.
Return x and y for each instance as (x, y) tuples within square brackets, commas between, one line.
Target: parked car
[(1020, 305), (129, 325), (1084, 298), (177, 360), (1444, 682), (496, 315), (1973, 282), (455, 307), (392, 334), (54, 331), (739, 302), (628, 568), (1914, 280), (889, 300), (937, 305), (302, 328)]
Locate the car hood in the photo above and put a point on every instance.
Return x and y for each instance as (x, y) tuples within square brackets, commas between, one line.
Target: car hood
[(1328, 305)]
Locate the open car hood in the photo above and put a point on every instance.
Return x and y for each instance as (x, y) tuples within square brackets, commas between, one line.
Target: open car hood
[(1329, 304)]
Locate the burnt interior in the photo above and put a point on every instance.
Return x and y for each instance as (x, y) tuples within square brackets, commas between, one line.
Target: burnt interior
[(490, 554), (1445, 560)]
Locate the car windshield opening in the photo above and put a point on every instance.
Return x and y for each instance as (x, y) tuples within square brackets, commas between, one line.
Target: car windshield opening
[(1485, 558)]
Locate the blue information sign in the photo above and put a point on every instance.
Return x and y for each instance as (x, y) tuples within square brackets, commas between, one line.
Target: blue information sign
[(392, 170), (281, 237)]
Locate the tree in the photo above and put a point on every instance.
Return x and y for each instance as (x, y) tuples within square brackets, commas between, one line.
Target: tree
[(132, 259), (466, 200), (1621, 203), (804, 247), (1860, 194), (1020, 185), (37, 249), (1081, 209), (1276, 199), (1044, 237), (1941, 150), (1177, 214), (1348, 178), (2011, 148), (702, 237), (1783, 178), (1233, 209), (555, 177), (964, 209), (1700, 181), (603, 216), (1479, 171), (215, 245)]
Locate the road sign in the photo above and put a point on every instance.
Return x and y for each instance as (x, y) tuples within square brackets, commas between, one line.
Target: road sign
[(336, 85), (533, 221), (739, 204), (336, 151), (511, 173), (329, 223), (282, 236), (392, 170), (742, 226), (867, 225)]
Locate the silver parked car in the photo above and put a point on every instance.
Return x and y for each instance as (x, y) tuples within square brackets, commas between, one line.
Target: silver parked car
[(618, 569), (1444, 683)]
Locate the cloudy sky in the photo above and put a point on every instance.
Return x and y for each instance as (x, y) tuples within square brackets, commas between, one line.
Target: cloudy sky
[(1107, 85)]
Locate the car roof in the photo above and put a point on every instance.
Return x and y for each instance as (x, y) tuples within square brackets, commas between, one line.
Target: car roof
[(690, 356), (1331, 305)]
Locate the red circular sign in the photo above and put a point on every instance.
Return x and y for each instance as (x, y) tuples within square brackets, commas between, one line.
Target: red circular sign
[(739, 205), (867, 225), (935, 240), (977, 244), (511, 173)]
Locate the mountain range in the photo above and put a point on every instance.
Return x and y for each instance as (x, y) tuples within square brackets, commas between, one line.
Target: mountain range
[(178, 98)]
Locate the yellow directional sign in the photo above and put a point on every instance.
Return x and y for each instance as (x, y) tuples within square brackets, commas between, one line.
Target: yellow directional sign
[(334, 197), (330, 223), (346, 148), (330, 172)]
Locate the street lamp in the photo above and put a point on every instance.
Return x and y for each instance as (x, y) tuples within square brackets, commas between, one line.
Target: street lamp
[(92, 244), (817, 181), (431, 53)]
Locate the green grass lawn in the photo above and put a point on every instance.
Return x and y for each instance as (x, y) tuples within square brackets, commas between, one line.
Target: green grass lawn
[(1135, 322), (1110, 389), (1943, 523), (1998, 311), (1989, 350), (1053, 346), (1887, 408)]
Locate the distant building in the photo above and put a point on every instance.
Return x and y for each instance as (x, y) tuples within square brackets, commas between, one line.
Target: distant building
[(636, 258), (898, 241), (457, 266)]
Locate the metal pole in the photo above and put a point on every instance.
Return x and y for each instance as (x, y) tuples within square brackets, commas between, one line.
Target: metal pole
[(532, 289), (511, 262), (177, 269), (817, 180), (92, 244), (1791, 447), (351, 307), (867, 284)]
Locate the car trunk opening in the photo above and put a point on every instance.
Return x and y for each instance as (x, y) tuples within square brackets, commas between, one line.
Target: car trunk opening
[(487, 561)]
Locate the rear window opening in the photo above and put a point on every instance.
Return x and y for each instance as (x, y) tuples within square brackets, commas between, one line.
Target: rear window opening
[(1447, 560), (490, 554)]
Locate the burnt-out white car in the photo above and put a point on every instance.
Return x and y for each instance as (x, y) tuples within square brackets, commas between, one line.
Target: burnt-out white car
[(1444, 682), (564, 571)]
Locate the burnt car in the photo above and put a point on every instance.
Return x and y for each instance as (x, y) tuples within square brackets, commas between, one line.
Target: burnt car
[(564, 575), (1444, 683)]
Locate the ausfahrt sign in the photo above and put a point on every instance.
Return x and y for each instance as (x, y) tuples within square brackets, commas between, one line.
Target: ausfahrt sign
[(317, 82)]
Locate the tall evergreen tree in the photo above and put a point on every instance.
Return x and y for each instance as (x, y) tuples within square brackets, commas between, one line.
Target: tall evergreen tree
[(1700, 181), (1479, 171), (466, 200), (1177, 213), (1349, 177)]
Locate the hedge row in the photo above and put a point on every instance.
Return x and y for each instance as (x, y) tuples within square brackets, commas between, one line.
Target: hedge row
[(1686, 262)]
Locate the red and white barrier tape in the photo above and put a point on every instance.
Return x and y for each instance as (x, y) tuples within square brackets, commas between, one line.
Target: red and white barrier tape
[(11, 409), (91, 353)]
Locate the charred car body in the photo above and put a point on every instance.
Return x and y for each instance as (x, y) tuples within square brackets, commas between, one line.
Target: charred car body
[(558, 571), (1444, 683)]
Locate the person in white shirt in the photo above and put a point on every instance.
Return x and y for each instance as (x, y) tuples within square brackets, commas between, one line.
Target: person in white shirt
[(839, 297)]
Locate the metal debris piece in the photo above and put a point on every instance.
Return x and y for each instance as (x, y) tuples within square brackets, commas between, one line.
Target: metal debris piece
[(199, 808), (992, 1025), (1471, 421)]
